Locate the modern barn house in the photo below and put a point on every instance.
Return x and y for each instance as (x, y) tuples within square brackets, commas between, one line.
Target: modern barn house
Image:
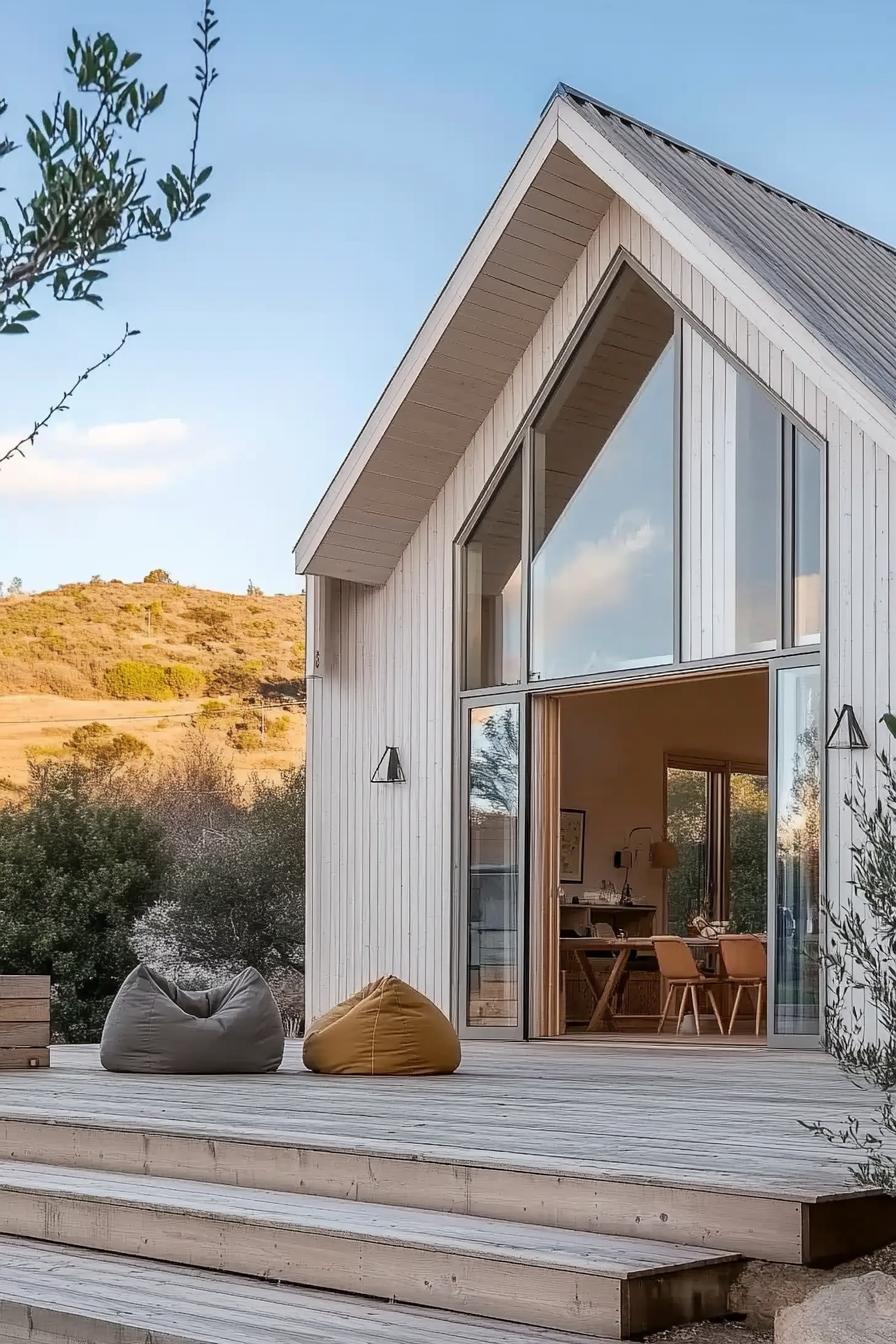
[(588, 601), (610, 559)]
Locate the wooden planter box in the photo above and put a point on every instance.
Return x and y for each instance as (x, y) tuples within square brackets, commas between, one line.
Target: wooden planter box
[(24, 1021)]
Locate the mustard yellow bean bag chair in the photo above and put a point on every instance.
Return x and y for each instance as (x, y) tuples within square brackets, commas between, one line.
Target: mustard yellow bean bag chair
[(386, 1028)]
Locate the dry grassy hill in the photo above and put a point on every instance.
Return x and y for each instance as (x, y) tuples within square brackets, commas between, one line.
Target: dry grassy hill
[(151, 659)]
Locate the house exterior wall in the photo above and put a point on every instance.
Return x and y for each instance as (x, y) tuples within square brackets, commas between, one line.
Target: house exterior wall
[(380, 857)]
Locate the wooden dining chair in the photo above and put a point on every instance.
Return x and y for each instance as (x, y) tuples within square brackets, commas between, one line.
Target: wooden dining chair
[(680, 971), (745, 963)]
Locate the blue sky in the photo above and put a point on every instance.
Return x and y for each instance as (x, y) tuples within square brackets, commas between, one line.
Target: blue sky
[(357, 144)]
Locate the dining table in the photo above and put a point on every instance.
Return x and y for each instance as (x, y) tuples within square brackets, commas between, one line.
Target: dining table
[(622, 951)]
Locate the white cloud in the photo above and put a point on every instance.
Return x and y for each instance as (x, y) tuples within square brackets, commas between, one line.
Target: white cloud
[(125, 436), (63, 477), (598, 575), (68, 460)]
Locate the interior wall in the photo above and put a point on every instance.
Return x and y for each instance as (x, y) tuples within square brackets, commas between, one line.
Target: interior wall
[(613, 746)]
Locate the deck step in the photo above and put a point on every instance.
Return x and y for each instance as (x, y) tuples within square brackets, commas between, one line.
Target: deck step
[(567, 1280), (56, 1295), (788, 1222)]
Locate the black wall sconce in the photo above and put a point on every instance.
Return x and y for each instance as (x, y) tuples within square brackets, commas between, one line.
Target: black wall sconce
[(855, 738), (388, 768)]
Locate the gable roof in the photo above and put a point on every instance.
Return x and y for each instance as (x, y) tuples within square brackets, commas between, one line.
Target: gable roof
[(839, 283)]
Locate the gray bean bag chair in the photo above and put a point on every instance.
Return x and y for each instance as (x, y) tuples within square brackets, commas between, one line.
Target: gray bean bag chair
[(155, 1027)]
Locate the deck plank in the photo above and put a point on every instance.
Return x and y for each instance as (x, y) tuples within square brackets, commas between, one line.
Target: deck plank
[(712, 1116), (70, 1295)]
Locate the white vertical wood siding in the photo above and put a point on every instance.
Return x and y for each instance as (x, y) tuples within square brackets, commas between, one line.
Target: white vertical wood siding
[(380, 856)]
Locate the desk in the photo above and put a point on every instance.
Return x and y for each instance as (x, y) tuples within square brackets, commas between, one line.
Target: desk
[(622, 950)]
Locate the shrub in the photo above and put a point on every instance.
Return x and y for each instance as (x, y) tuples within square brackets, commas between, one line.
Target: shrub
[(277, 728), (158, 576), (243, 738), (53, 641), (860, 1010), (232, 679), (95, 744), (237, 897), (75, 874), (210, 710), (184, 680), (214, 620), (130, 680)]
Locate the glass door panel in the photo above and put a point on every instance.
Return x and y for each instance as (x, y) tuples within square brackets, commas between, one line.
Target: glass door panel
[(494, 856), (687, 826), (795, 869)]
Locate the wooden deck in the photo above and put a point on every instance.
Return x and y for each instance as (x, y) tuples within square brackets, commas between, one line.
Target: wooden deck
[(688, 1114), (600, 1187)]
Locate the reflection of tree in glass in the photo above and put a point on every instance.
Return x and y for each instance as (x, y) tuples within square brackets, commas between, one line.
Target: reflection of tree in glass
[(494, 763), (799, 824), (686, 827), (748, 874)]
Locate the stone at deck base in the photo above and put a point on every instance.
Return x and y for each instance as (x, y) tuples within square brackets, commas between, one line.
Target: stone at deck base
[(851, 1311)]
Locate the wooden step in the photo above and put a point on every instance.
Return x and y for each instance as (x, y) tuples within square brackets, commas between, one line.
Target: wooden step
[(56, 1295), (787, 1222), (566, 1280)]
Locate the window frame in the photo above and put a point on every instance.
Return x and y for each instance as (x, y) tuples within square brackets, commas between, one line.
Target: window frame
[(522, 440)]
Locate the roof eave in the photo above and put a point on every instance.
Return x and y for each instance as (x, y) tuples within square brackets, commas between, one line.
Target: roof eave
[(536, 151)]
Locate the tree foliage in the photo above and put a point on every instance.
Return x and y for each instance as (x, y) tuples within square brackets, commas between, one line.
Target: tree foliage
[(495, 764), (75, 875), (860, 964), (95, 745), (93, 197), (235, 896)]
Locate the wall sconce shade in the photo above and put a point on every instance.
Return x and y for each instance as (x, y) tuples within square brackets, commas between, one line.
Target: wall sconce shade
[(388, 768), (854, 739), (663, 854)]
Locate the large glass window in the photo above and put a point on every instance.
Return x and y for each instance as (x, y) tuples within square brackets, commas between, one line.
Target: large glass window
[(756, 511), (806, 540), (493, 947), (603, 505), (492, 568), (797, 851), (717, 818)]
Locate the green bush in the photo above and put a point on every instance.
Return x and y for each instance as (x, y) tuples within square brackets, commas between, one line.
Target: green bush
[(236, 896), (158, 576), (75, 874), (184, 680), (130, 680)]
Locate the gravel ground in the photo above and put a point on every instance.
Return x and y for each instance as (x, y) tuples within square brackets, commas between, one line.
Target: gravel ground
[(720, 1332), (734, 1332)]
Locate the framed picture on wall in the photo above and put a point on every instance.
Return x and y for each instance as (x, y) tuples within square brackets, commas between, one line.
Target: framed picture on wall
[(572, 844)]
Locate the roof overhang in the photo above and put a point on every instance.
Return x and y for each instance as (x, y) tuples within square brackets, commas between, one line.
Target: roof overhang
[(485, 317), (471, 341)]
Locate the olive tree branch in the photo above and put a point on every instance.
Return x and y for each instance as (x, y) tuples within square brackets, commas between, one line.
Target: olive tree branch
[(62, 404)]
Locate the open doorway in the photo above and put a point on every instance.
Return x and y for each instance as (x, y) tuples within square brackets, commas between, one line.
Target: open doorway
[(663, 797)]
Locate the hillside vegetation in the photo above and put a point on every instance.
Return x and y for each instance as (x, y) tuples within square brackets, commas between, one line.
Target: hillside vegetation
[(122, 671), (149, 641)]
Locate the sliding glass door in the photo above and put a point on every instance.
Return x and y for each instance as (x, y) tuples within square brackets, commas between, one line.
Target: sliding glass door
[(493, 868), (794, 1009)]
